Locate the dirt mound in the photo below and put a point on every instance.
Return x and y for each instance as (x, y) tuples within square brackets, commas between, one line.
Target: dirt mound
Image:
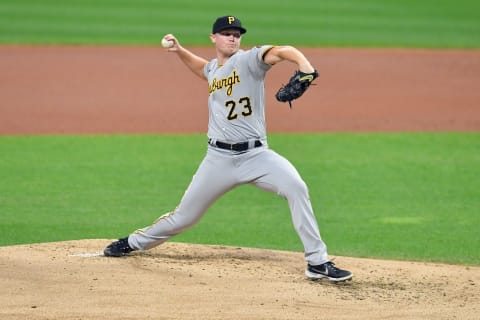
[(73, 280)]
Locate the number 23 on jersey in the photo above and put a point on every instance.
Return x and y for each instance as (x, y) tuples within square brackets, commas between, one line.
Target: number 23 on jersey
[(242, 107)]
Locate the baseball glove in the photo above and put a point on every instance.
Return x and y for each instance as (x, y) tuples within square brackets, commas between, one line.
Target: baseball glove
[(296, 86)]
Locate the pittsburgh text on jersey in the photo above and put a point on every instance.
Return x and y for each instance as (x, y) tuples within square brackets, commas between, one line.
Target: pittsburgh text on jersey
[(227, 82)]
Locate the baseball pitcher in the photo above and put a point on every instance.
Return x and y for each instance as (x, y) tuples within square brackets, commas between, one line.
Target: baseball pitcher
[(238, 151)]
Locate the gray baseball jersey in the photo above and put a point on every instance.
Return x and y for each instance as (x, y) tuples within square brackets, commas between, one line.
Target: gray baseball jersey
[(237, 96), (237, 115)]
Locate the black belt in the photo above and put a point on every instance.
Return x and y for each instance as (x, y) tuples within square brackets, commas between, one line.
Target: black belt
[(241, 146)]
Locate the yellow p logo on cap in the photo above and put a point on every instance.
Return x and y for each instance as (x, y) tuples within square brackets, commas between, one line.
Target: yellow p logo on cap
[(231, 19)]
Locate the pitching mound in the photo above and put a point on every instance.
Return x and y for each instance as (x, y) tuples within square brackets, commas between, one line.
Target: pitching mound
[(73, 280)]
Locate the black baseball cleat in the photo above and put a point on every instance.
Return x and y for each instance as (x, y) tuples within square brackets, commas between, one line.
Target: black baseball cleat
[(327, 270), (118, 248)]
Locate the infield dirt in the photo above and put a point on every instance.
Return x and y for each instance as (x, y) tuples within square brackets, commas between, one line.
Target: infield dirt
[(55, 90)]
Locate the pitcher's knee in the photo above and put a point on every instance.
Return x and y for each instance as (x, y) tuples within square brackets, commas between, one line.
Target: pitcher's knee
[(296, 188)]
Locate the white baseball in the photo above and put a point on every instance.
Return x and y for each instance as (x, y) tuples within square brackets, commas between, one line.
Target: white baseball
[(167, 43)]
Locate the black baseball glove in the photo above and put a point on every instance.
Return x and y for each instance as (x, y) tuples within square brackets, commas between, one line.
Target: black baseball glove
[(296, 86)]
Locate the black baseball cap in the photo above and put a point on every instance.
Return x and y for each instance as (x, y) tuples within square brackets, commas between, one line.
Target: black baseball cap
[(228, 22)]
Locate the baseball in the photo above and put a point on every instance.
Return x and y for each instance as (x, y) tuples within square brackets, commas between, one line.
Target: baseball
[(167, 43)]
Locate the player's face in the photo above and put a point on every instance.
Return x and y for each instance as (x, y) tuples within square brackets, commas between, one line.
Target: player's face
[(227, 41)]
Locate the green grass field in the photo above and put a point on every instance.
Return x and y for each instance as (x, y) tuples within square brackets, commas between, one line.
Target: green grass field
[(404, 196), (369, 23)]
